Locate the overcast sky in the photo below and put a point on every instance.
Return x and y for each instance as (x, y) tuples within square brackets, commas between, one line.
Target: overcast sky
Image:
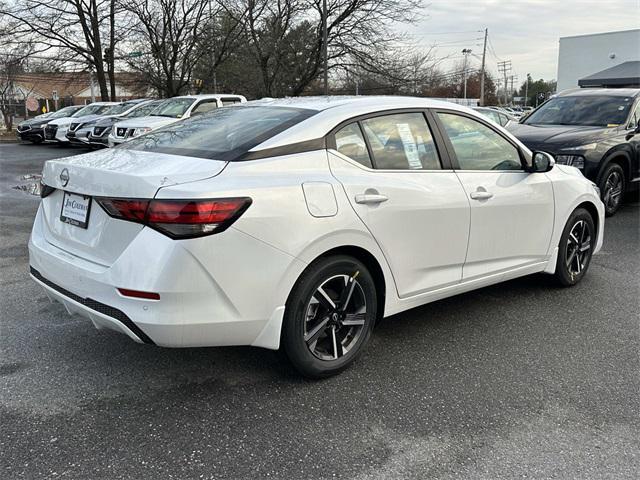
[(523, 31)]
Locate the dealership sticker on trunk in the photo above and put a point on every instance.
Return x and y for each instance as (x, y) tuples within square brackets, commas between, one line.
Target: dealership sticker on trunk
[(75, 209)]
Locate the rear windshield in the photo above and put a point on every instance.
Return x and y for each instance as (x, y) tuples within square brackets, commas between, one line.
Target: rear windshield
[(222, 134), (588, 110)]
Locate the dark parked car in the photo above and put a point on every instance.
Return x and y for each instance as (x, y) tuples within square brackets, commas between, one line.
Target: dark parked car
[(596, 131), (33, 130)]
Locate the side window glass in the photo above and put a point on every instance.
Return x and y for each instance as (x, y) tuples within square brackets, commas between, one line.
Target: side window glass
[(477, 146), (401, 142), (503, 119), (229, 101), (350, 142), (495, 116), (635, 118), (204, 107)]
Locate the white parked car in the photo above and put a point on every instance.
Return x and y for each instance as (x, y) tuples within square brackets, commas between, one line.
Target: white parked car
[(297, 223), (172, 110), (56, 130)]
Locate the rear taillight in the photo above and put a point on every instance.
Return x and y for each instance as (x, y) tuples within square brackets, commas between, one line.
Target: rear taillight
[(178, 218)]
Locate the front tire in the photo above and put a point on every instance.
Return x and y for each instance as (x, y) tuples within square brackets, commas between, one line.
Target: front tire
[(329, 316), (612, 186), (576, 248)]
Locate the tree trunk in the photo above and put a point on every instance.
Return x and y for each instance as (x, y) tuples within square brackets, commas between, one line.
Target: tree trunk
[(112, 47), (101, 78)]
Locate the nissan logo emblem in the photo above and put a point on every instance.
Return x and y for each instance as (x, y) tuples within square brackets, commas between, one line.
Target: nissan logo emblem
[(64, 177)]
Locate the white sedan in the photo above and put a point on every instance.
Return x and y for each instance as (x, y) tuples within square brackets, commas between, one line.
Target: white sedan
[(298, 223)]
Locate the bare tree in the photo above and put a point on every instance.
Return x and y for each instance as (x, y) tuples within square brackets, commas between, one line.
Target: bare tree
[(12, 65), (286, 40), (75, 29), (167, 32)]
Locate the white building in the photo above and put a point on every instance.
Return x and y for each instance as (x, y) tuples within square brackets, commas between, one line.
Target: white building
[(584, 55)]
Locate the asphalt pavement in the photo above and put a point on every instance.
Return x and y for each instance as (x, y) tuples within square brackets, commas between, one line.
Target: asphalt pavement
[(518, 380)]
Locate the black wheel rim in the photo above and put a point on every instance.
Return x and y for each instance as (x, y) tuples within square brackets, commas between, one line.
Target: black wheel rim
[(578, 248), (335, 317), (612, 190)]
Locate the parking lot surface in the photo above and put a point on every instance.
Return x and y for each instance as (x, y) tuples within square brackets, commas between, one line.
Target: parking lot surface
[(519, 380)]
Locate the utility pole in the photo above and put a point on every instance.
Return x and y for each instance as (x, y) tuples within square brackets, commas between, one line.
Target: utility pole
[(526, 90), (504, 68), (466, 52), (325, 47), (484, 56)]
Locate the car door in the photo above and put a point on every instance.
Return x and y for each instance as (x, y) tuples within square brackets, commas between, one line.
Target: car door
[(403, 189), (512, 211)]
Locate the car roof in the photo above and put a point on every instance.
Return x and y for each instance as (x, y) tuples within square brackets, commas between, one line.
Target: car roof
[(207, 95), (613, 92), (333, 110)]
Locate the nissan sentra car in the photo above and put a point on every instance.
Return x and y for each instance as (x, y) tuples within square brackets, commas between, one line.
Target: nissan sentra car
[(298, 223)]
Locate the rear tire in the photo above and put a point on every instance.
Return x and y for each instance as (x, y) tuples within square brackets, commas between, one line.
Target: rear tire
[(612, 187), (329, 316), (575, 248)]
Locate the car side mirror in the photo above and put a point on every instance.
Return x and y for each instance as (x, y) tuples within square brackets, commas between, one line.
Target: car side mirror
[(542, 162), (633, 133)]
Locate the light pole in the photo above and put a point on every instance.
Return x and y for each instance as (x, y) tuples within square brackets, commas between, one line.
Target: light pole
[(526, 90), (466, 52)]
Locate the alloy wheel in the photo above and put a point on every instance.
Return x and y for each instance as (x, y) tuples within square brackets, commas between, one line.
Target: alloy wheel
[(335, 317), (578, 250), (612, 190)]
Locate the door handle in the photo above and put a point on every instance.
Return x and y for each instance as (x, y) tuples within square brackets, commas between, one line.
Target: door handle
[(370, 198), (481, 195)]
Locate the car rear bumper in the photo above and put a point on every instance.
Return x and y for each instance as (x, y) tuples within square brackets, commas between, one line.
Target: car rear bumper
[(198, 306), (101, 315)]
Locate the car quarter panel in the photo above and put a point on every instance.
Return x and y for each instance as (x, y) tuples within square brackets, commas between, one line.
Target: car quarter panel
[(279, 217)]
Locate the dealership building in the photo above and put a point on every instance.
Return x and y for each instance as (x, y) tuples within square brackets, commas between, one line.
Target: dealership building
[(613, 58)]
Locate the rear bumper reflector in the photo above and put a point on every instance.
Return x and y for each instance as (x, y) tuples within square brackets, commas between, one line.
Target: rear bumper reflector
[(96, 306), (138, 294)]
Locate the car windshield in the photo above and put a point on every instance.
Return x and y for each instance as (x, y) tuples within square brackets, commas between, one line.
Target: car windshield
[(119, 108), (223, 134), (174, 107), (90, 110), (143, 110), (587, 110), (63, 112)]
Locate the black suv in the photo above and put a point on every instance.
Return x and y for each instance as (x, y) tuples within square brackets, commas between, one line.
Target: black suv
[(595, 130)]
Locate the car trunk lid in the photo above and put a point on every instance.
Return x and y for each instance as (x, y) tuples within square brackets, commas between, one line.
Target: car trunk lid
[(116, 173)]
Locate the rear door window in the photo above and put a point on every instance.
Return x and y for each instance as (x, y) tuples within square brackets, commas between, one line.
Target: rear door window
[(401, 142)]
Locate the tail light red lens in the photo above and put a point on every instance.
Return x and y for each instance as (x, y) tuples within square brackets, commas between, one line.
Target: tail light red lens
[(178, 218)]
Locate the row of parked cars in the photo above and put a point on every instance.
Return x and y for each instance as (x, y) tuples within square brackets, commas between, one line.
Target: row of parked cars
[(107, 124)]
